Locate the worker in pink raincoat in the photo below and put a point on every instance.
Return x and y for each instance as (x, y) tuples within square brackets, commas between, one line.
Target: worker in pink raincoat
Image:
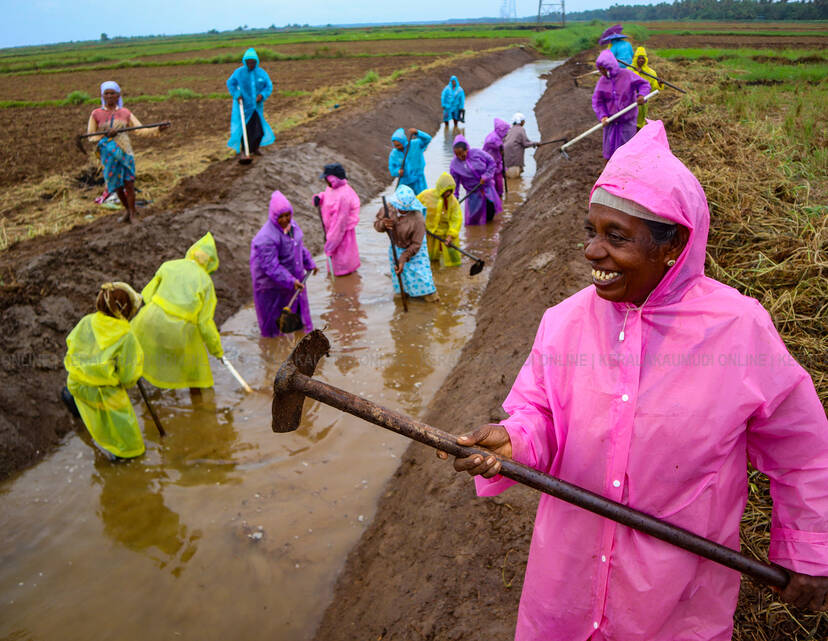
[(339, 207), (654, 387), (493, 145), (279, 262), (475, 170), (617, 88)]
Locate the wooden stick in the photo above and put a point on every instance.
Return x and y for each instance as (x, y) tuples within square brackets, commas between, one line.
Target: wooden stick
[(394, 254)]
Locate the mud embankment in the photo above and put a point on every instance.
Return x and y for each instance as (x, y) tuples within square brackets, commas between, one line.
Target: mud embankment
[(437, 562), (48, 284)]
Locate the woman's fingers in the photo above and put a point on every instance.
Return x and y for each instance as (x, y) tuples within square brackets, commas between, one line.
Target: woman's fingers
[(478, 465)]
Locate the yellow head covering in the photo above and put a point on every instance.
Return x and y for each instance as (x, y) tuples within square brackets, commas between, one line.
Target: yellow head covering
[(204, 252)]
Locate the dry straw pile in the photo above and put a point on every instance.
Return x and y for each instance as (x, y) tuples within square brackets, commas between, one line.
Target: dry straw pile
[(768, 239)]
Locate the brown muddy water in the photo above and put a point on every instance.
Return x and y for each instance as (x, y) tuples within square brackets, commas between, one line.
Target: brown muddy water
[(225, 530)]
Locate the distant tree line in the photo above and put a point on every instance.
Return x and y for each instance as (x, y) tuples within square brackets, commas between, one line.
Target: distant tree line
[(710, 10)]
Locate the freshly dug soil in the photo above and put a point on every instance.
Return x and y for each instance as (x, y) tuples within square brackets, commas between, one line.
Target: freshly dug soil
[(48, 284), (437, 562)]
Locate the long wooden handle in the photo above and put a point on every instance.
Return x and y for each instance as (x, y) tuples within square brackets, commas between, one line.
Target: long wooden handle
[(234, 372), (649, 75), (773, 575), (469, 193), (453, 246), (155, 419), (394, 254), (103, 131), (244, 127), (296, 292), (601, 125)]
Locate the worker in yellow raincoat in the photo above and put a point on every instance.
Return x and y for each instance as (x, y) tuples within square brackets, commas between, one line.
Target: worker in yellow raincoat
[(103, 359), (641, 63), (176, 328), (444, 218)]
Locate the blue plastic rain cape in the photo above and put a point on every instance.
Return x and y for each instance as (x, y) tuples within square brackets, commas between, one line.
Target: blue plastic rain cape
[(246, 84), (622, 50), (414, 175), (453, 99)]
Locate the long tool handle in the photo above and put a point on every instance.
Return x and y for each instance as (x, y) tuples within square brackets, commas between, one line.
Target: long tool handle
[(405, 155), (296, 293), (103, 132), (601, 125), (155, 419), (394, 254), (551, 142), (469, 193), (663, 82), (244, 128), (453, 246), (325, 237), (503, 170), (236, 375), (772, 575)]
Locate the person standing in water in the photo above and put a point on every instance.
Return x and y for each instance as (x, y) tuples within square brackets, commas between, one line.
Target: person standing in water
[(444, 218), (115, 149), (104, 359), (252, 84), (279, 262), (515, 144), (453, 102), (475, 170), (339, 208), (409, 150), (616, 89), (493, 145)]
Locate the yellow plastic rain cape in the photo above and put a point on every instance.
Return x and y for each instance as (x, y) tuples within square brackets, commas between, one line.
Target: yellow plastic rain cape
[(654, 84), (176, 327), (441, 222), (104, 358)]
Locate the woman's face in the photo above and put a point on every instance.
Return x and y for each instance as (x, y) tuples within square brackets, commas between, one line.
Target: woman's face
[(284, 220), (640, 61), (398, 145), (604, 71), (626, 263), (110, 97), (461, 153)]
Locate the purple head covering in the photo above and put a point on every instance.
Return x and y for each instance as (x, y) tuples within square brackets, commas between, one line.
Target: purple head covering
[(111, 84), (612, 33), (279, 204), (460, 139)]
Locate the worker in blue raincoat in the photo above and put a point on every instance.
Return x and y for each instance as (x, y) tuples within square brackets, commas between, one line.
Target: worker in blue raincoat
[(252, 84), (616, 42), (453, 101), (411, 149)]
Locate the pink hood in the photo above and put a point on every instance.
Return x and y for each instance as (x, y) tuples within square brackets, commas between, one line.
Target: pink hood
[(607, 59), (279, 204), (646, 172)]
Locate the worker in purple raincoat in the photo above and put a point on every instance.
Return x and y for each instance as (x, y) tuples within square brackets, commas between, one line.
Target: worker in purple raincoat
[(475, 170), (493, 145), (278, 263), (616, 89)]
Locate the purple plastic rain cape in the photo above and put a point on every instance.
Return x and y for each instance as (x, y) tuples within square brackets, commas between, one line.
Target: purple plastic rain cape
[(277, 260), (478, 164), (611, 95), (493, 145)]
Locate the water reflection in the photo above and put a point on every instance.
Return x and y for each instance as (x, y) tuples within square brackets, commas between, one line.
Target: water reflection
[(346, 320)]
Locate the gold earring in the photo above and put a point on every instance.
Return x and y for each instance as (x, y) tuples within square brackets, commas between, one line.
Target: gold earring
[(671, 262)]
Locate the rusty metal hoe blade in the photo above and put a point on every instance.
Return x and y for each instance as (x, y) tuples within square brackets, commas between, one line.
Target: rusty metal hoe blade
[(287, 401)]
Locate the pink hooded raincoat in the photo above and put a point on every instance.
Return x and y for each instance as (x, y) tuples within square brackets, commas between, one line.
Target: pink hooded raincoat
[(340, 215), (660, 407)]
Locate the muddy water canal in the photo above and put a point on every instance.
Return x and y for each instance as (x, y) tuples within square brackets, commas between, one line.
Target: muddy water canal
[(225, 530)]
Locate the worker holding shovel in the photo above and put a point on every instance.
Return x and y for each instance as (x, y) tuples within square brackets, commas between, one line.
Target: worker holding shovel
[(114, 148), (474, 169), (405, 225), (279, 264), (617, 88), (406, 160), (653, 387), (493, 145), (103, 360), (643, 70), (444, 218), (339, 208), (515, 144), (251, 85)]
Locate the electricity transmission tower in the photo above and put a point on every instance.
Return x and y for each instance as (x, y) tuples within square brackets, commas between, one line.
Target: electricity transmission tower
[(547, 9), (508, 10)]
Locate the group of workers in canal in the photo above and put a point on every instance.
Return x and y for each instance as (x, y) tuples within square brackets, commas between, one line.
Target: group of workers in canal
[(670, 436)]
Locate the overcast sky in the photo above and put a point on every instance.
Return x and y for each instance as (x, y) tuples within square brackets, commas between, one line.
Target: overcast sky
[(25, 22)]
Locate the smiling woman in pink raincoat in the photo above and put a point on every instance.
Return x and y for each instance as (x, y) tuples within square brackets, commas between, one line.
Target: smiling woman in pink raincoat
[(654, 387), (339, 208)]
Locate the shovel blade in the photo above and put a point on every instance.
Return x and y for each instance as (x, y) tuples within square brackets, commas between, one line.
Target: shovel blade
[(290, 322), (245, 160), (286, 410), (476, 268)]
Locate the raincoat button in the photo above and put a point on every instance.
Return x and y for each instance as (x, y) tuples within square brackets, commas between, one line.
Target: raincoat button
[(595, 625), (603, 559), (625, 397), (616, 483)]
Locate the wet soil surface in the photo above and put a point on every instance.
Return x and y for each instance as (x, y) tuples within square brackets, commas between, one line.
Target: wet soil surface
[(47, 284), (437, 562)]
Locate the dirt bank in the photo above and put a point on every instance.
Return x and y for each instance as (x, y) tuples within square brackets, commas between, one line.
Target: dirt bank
[(47, 284)]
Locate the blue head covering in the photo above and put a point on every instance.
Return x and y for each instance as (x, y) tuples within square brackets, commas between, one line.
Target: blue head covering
[(405, 200), (250, 54), (111, 84), (400, 137)]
